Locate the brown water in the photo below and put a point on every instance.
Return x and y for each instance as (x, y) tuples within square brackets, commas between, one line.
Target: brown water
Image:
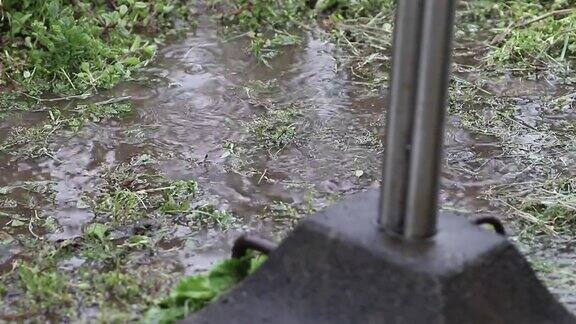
[(197, 102)]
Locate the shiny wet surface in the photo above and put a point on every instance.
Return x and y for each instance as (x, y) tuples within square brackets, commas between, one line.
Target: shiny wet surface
[(196, 98)]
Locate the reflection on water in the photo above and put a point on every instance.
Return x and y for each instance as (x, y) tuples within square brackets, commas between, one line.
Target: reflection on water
[(198, 104)]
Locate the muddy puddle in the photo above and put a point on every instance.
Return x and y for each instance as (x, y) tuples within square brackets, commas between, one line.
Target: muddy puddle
[(195, 102)]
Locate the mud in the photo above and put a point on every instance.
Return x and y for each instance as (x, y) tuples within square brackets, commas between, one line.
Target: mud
[(197, 97)]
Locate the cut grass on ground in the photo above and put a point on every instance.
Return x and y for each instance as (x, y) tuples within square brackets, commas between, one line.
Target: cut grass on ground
[(71, 47)]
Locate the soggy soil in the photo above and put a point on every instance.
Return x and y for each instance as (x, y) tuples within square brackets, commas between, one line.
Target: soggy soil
[(200, 97)]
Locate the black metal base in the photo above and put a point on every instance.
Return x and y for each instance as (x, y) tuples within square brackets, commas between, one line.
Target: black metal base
[(336, 267)]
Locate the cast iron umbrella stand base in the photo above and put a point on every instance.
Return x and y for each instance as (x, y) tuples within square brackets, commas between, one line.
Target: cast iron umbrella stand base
[(338, 267)]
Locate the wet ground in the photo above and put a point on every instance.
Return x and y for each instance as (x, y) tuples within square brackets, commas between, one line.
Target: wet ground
[(198, 98)]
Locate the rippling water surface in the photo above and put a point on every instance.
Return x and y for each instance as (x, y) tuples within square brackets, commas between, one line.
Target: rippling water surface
[(198, 102)]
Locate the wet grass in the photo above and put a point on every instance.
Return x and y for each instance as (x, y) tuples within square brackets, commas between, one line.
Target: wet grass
[(275, 130), (11, 102), (527, 35), (79, 46), (117, 265), (34, 141), (195, 292), (105, 280), (537, 187), (287, 215), (45, 289), (21, 210), (269, 25), (556, 276), (275, 127), (133, 191), (364, 30), (134, 209), (553, 205)]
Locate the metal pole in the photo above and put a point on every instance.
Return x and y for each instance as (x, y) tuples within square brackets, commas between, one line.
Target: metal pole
[(405, 58), (428, 132)]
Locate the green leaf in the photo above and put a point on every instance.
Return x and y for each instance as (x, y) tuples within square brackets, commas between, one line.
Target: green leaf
[(140, 5), (194, 292), (138, 241), (123, 9), (256, 263), (131, 61), (97, 230), (135, 44), (149, 51), (194, 288), (227, 274)]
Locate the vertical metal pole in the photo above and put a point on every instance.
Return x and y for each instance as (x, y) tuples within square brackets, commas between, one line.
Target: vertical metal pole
[(427, 138), (405, 58)]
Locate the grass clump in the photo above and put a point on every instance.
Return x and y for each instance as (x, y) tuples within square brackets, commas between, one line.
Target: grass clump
[(267, 23), (551, 40), (258, 88), (364, 29), (95, 113), (97, 245), (552, 205), (195, 292), (531, 186), (33, 142), (134, 191), (11, 101), (282, 211), (122, 204), (176, 199), (275, 129), (44, 289), (30, 142), (74, 46), (273, 25), (206, 215), (529, 35), (117, 286)]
